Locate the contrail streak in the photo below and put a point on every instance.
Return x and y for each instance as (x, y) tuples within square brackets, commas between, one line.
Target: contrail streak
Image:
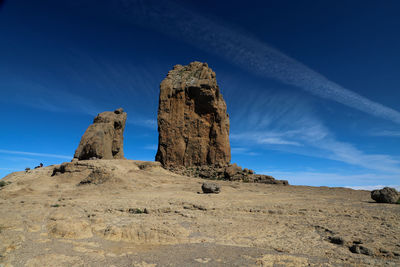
[(242, 50)]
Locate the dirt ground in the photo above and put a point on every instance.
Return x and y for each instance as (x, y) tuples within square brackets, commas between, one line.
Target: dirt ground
[(134, 213)]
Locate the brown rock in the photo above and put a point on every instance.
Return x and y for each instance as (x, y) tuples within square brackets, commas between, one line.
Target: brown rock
[(210, 188), (232, 170), (386, 195), (193, 124), (104, 138)]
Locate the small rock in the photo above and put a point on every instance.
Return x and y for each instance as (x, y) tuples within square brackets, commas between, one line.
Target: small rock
[(337, 240), (209, 188), (137, 211), (386, 195), (385, 251)]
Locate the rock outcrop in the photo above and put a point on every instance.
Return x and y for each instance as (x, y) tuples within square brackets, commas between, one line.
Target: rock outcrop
[(386, 195), (193, 127), (104, 138), (193, 123), (230, 172)]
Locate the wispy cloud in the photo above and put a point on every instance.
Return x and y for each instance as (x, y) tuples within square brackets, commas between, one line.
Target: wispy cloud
[(387, 133), (373, 187), (266, 138), (87, 83), (37, 95), (315, 177), (141, 121), (243, 151), (295, 128), (151, 147), (33, 154), (245, 51)]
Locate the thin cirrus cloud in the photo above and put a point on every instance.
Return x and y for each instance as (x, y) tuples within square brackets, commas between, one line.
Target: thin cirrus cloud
[(293, 127), (364, 181), (265, 138), (36, 95), (243, 151), (373, 187), (33, 154), (387, 133), (242, 50)]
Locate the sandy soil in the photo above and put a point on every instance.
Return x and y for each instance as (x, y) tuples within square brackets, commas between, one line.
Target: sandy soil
[(133, 213)]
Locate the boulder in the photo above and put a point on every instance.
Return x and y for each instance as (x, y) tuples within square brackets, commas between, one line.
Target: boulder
[(193, 123), (210, 188), (104, 138), (386, 195), (232, 170)]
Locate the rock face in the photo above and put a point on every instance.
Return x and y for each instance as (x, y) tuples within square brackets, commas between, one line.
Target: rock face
[(386, 195), (193, 127), (104, 138), (193, 123)]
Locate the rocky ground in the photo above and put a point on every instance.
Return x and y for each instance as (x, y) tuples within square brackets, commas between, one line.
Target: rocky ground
[(133, 213)]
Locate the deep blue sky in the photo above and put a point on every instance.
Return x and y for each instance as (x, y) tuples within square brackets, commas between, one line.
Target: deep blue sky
[(312, 87)]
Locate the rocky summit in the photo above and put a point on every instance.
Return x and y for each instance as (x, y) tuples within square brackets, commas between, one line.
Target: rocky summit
[(193, 122), (104, 138)]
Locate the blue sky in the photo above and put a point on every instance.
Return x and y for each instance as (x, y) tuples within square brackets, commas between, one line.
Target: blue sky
[(312, 87)]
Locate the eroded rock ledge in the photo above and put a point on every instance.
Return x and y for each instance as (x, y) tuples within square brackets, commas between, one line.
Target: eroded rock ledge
[(231, 172)]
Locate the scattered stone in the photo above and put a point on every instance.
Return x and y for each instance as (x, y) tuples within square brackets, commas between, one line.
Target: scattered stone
[(192, 120), (385, 252), (210, 188), (337, 240), (39, 166), (3, 183), (386, 195), (359, 249), (104, 138), (138, 211)]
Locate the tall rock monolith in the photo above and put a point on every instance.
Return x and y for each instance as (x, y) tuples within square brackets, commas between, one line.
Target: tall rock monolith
[(193, 123), (104, 138)]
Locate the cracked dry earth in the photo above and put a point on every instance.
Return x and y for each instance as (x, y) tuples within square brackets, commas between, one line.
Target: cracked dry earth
[(134, 213)]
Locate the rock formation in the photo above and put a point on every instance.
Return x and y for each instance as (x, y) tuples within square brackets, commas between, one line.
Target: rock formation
[(104, 138), (386, 195), (193, 127), (193, 123)]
